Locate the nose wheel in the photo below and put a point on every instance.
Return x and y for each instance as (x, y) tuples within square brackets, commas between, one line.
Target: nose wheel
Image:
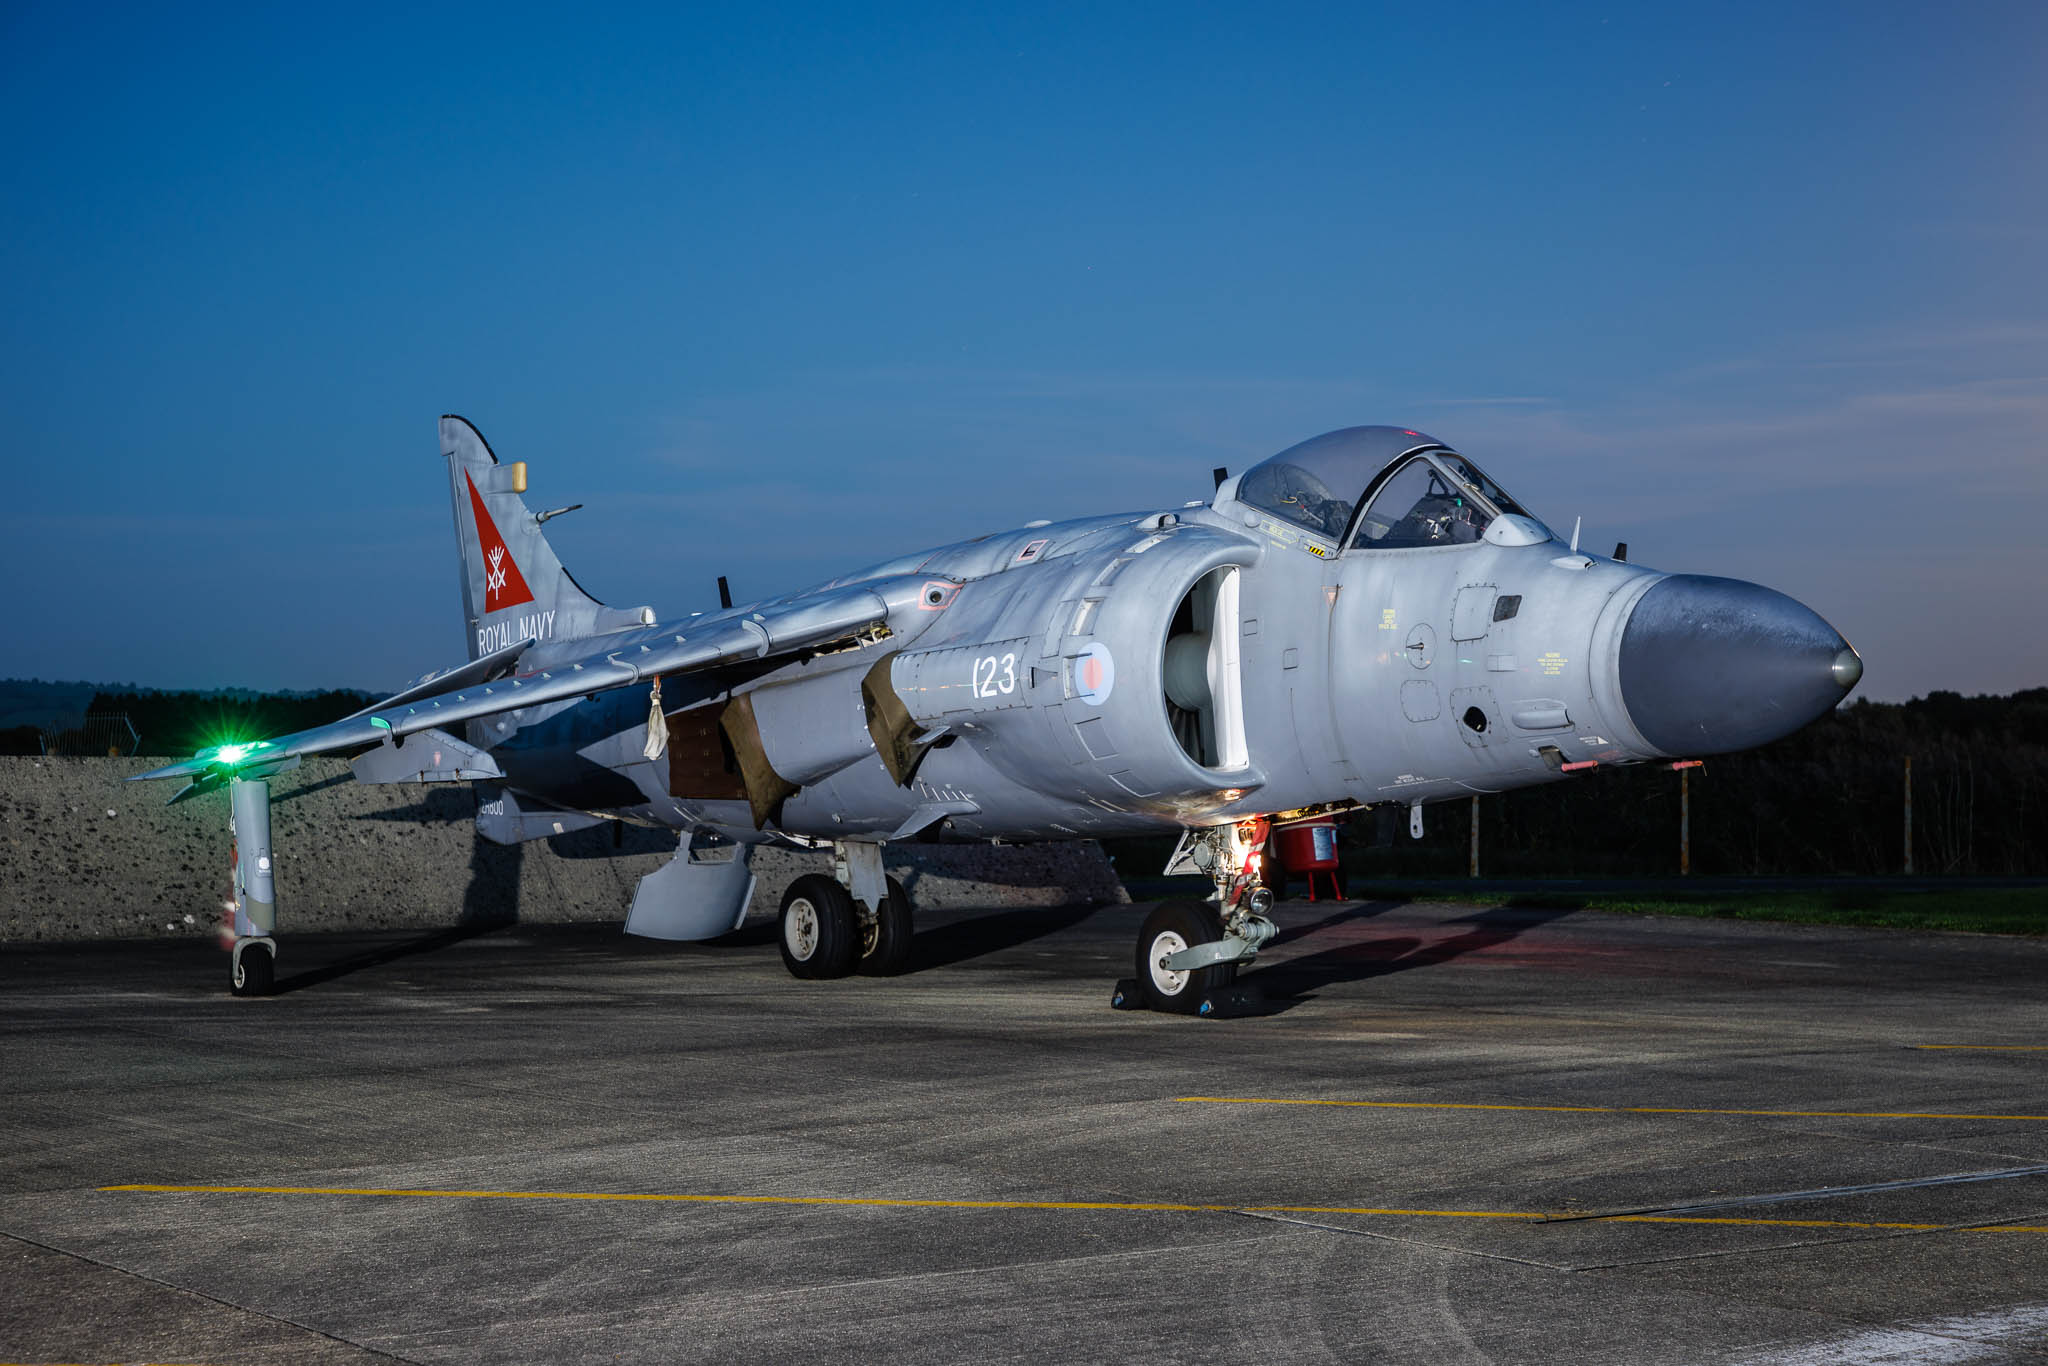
[(1169, 932), (1189, 951)]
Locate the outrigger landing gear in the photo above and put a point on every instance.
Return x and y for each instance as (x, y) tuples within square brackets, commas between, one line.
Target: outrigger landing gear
[(253, 970), (1189, 951)]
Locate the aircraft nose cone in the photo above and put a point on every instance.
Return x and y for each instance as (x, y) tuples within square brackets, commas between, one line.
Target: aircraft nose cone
[(1711, 666), (1848, 667)]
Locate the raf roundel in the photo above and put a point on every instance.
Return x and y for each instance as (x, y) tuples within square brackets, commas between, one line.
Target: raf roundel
[(1094, 674)]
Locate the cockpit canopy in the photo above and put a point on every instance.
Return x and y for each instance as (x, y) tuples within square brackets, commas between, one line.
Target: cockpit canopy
[(1415, 490)]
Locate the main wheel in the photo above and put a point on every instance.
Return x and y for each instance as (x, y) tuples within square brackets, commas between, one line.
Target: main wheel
[(885, 938), (255, 971), (820, 933), (1171, 927)]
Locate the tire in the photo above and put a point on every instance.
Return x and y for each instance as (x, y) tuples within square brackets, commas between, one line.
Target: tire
[(885, 941), (820, 933), (1171, 927), (254, 972)]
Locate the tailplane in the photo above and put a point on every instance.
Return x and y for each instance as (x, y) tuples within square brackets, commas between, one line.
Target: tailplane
[(513, 586)]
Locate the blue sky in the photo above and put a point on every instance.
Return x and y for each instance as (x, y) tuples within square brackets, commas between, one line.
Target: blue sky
[(1760, 289)]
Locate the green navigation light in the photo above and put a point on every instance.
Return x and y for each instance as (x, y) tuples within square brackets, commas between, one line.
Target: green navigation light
[(236, 753)]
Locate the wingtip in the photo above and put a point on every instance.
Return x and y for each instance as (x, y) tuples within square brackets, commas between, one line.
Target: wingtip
[(188, 768)]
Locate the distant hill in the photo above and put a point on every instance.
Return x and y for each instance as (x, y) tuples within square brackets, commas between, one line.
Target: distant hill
[(32, 702)]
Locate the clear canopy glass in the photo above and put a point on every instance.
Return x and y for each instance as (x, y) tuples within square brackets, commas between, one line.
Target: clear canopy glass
[(1440, 498), (1299, 495), (1422, 493), (1420, 506)]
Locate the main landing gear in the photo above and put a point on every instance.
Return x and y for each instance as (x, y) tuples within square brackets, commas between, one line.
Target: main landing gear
[(1189, 951), (857, 921)]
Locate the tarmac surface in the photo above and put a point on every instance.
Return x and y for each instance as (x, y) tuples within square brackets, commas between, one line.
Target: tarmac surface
[(1458, 1135)]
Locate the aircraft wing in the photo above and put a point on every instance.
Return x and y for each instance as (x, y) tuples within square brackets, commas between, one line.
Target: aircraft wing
[(617, 660), (488, 668)]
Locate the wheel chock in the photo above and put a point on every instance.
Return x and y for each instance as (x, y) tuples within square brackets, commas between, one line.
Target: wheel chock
[(1225, 1003), (1230, 1002)]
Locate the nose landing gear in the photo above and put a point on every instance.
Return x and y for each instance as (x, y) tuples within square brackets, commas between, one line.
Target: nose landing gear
[(1189, 951)]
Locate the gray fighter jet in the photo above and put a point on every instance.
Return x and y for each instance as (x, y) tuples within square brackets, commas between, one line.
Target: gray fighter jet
[(1364, 618)]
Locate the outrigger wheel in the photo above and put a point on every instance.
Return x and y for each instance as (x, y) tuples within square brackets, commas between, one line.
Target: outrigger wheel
[(1171, 927), (255, 968), (820, 932)]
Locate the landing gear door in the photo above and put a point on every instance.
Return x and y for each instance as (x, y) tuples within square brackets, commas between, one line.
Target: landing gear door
[(701, 893)]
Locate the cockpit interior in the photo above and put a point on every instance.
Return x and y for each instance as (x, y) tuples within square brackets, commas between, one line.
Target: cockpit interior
[(1415, 492)]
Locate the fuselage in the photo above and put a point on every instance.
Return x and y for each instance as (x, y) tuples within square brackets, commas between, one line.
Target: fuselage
[(1185, 667)]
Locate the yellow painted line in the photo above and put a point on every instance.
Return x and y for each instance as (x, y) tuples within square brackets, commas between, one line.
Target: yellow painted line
[(1591, 1109), (676, 1198), (1982, 1047), (1111, 1206)]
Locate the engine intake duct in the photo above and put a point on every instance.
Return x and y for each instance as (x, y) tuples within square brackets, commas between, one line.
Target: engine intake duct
[(1199, 673)]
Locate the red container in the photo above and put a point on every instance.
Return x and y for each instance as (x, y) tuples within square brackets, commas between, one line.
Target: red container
[(1308, 846)]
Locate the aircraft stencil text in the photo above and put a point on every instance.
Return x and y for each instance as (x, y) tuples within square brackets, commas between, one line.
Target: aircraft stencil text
[(496, 635)]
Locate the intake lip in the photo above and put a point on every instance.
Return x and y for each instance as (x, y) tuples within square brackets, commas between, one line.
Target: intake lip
[(1712, 666)]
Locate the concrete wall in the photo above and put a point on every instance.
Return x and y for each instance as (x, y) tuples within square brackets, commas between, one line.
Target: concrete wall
[(86, 855)]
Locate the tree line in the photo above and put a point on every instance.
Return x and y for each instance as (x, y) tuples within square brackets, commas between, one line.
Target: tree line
[(1830, 799)]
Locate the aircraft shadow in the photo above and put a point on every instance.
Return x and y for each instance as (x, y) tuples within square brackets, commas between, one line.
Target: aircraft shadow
[(1363, 910), (961, 940), (1285, 985), (307, 789), (382, 956)]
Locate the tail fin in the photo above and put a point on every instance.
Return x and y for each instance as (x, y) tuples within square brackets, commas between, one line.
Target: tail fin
[(513, 586)]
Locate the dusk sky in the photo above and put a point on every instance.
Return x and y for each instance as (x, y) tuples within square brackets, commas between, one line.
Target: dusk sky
[(776, 292)]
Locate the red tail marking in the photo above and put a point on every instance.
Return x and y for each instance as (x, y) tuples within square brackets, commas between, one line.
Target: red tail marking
[(504, 585)]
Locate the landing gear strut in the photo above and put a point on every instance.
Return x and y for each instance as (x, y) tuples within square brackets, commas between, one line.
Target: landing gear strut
[(1189, 951), (253, 969)]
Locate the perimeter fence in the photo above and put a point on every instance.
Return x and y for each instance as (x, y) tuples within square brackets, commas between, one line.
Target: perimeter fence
[(1940, 786)]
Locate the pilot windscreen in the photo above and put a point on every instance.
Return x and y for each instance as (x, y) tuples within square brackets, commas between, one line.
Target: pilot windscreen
[(1420, 507), (1292, 492), (1486, 488)]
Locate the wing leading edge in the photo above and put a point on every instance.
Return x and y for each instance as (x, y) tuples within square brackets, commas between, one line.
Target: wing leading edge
[(621, 660)]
